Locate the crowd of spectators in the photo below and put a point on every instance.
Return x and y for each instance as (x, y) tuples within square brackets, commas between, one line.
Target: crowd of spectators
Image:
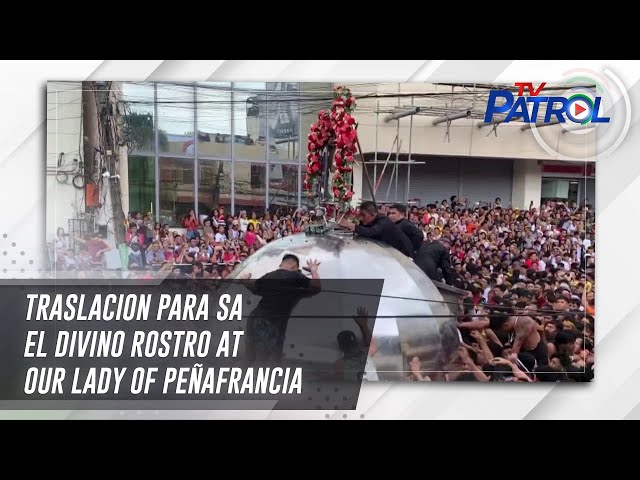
[(537, 263), (208, 246), (533, 266)]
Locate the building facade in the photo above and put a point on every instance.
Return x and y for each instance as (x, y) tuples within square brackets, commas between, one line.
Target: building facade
[(235, 145), (431, 159), (243, 146), (190, 146)]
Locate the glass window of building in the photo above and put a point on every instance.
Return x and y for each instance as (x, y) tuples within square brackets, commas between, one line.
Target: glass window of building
[(217, 141), (283, 186), (142, 183), (250, 186), (214, 185), (139, 121), (283, 121), (176, 189), (250, 121), (176, 119), (214, 119)]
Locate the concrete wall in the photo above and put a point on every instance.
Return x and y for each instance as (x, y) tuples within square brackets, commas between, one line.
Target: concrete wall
[(418, 135), (64, 108), (527, 184), (465, 137)]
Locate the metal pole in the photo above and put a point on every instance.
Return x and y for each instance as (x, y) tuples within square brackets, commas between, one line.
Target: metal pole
[(300, 149), (393, 172), (267, 172), (196, 173), (233, 159), (385, 165), (366, 172), (528, 126), (409, 164), (156, 143), (396, 167), (375, 155)]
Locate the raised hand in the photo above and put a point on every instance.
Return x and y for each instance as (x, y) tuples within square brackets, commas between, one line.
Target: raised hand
[(313, 265), (361, 316), (414, 365)]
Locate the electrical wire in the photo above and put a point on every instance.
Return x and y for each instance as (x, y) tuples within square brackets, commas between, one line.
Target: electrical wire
[(496, 308)]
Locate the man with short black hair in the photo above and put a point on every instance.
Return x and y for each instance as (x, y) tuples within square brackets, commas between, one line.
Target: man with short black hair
[(561, 303), (377, 226), (435, 260), (398, 215), (523, 335), (280, 291)]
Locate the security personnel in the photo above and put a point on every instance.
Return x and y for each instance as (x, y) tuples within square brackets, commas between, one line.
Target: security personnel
[(435, 260), (397, 213), (377, 226)]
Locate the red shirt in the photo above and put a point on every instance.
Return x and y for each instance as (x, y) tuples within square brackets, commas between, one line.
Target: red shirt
[(250, 238), (93, 247), (190, 223), (128, 237)]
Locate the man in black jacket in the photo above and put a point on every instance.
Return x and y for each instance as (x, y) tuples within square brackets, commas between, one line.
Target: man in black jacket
[(378, 227), (397, 214), (435, 260)]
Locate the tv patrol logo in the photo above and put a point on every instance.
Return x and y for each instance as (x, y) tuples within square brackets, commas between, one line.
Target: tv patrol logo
[(592, 102), (578, 107)]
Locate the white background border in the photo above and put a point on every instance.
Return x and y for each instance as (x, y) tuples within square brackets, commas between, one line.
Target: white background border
[(615, 393)]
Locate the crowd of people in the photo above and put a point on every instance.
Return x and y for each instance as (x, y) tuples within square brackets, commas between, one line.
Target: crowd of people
[(201, 247), (528, 274)]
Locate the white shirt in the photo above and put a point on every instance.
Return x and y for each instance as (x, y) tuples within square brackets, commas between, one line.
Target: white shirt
[(69, 261), (370, 372), (220, 237), (586, 242), (485, 294), (244, 224)]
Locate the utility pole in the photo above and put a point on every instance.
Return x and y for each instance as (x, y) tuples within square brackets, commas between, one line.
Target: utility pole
[(90, 135), (216, 185), (111, 141)]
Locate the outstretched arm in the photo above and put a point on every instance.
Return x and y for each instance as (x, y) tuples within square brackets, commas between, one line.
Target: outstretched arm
[(470, 365), (361, 319), (474, 324), (247, 282), (519, 374), (313, 265)]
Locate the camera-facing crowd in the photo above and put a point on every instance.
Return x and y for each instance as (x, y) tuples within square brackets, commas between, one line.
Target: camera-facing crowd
[(528, 274), (529, 310)]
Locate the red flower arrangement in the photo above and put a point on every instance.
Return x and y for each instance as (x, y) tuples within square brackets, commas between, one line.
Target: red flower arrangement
[(337, 127)]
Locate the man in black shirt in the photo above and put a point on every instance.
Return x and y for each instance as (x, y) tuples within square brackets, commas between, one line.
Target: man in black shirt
[(434, 260), (397, 214), (377, 226), (280, 290)]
